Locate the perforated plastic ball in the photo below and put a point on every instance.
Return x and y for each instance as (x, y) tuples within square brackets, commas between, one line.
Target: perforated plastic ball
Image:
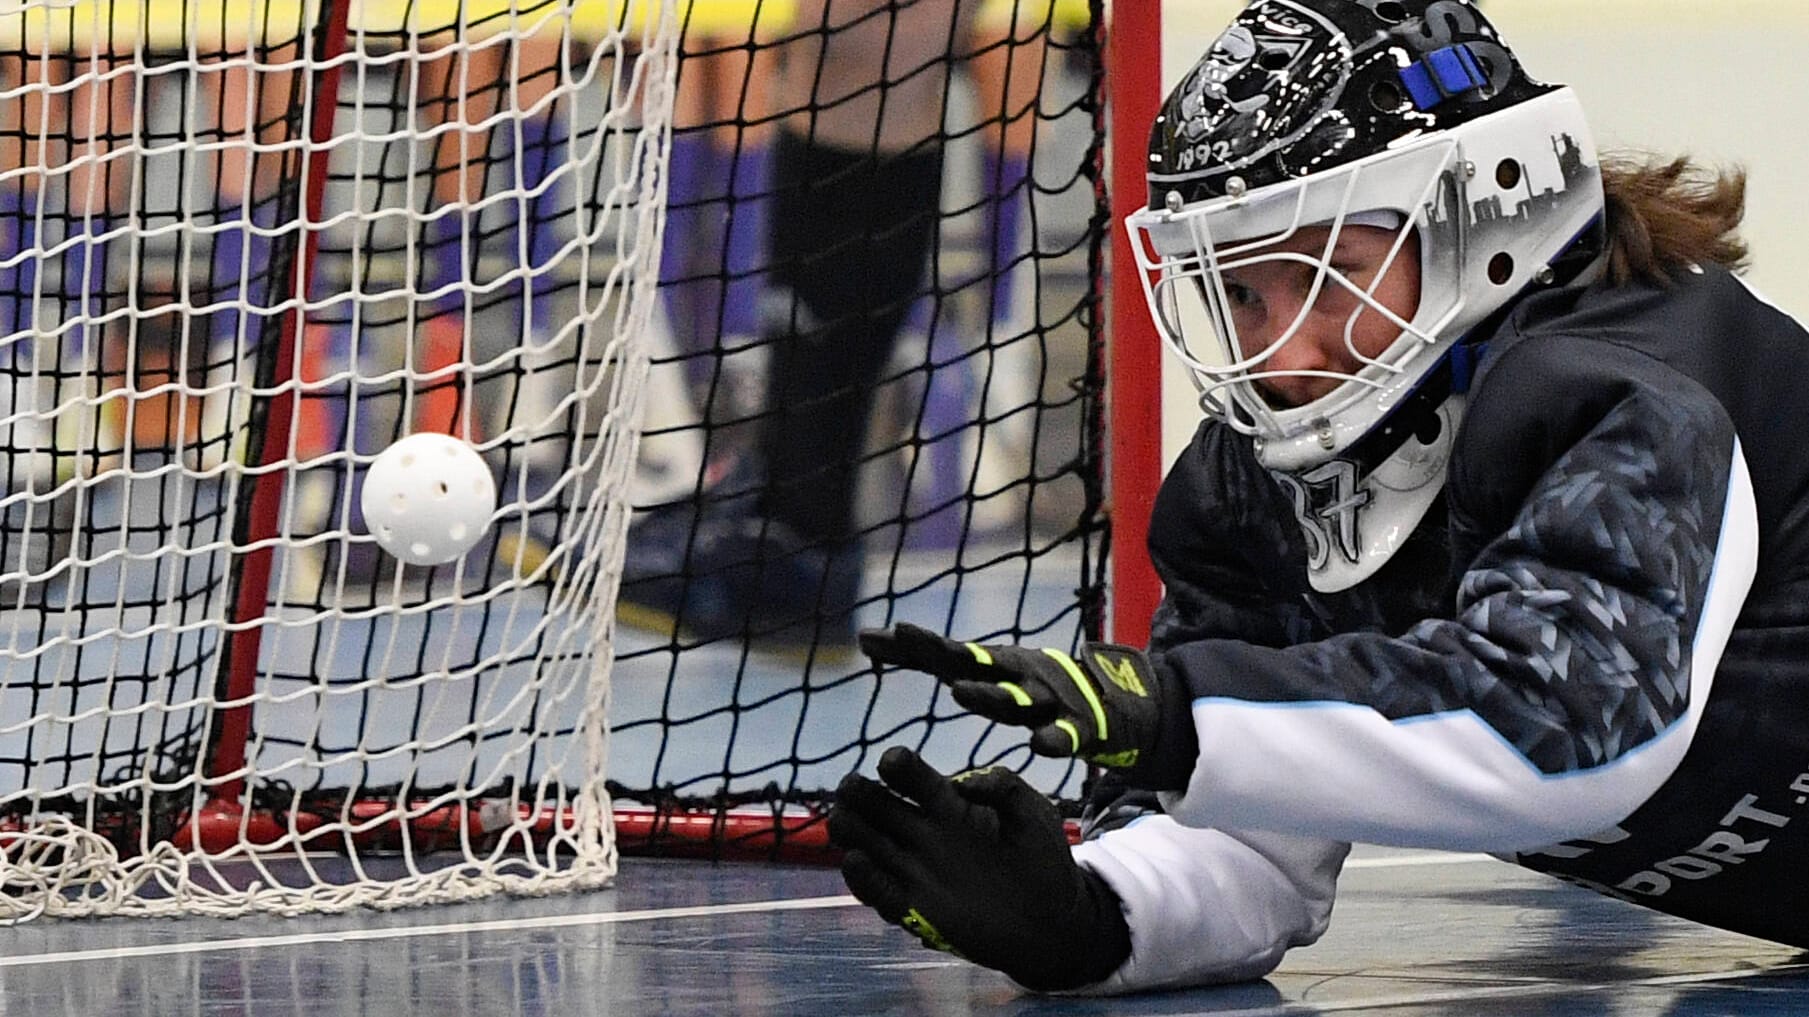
[(428, 498)]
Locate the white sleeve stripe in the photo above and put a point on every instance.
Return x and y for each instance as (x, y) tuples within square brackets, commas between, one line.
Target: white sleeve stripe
[(1449, 780)]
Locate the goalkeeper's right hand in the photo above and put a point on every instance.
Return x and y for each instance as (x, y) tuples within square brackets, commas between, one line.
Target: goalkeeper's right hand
[(978, 866)]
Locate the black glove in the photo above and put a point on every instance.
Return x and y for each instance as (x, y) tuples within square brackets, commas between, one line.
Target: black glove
[(978, 866), (1108, 707)]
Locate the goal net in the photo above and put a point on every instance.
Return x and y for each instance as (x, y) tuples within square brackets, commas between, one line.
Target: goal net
[(748, 377), (243, 248)]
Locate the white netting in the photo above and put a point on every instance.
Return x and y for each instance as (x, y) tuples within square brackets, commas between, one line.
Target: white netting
[(242, 250)]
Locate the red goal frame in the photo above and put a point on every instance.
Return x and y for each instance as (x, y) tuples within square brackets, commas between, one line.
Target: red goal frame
[(1134, 368)]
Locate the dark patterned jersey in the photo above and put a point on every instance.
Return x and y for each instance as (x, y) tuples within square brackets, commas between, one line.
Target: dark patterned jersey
[(1592, 655)]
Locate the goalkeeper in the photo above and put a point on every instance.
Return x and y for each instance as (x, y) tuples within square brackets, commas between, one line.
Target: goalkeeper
[(1466, 555)]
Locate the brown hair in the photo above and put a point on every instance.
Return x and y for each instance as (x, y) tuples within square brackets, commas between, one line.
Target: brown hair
[(1664, 215)]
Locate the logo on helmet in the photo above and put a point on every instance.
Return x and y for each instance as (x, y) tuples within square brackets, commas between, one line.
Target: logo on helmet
[(1265, 82), (1230, 57)]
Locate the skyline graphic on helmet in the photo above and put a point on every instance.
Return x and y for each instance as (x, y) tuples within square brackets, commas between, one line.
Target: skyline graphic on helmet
[(1295, 87)]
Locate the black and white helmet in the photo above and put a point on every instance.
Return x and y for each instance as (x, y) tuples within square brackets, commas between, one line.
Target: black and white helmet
[(1411, 114)]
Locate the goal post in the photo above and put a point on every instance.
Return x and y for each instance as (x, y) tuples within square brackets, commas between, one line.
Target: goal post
[(1134, 395)]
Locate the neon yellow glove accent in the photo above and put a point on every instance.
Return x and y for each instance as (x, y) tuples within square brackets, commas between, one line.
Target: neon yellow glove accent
[(919, 926), (1124, 675), (1086, 689), (1018, 695)]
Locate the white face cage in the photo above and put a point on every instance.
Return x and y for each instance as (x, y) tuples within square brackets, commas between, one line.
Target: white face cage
[(1493, 202)]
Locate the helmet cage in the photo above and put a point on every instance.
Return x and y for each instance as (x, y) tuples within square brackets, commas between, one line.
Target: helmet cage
[(1195, 248)]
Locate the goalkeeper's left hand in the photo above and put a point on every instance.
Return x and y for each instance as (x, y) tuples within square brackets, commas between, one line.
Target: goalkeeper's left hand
[(1108, 706), (978, 866)]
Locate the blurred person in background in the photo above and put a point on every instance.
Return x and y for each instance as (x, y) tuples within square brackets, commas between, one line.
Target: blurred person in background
[(849, 183)]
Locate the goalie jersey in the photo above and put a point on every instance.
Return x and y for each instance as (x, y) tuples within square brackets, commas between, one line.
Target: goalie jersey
[(1592, 656)]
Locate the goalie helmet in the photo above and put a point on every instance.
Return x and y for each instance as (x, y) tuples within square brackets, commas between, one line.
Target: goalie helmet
[(1309, 117)]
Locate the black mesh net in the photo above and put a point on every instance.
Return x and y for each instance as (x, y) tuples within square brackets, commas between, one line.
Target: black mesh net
[(878, 389)]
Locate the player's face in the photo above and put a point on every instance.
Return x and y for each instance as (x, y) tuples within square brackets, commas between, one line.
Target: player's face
[(1340, 328)]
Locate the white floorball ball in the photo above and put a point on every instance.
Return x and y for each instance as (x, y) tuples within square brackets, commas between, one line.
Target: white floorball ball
[(428, 498)]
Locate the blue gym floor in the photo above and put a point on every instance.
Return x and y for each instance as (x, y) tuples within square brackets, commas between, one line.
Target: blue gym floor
[(1414, 935)]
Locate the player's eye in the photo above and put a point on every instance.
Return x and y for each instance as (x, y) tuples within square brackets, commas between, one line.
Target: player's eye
[(1240, 296), (1248, 314), (1358, 273)]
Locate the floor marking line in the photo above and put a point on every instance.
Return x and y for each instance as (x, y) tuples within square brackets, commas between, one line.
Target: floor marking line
[(1407, 861), (411, 931)]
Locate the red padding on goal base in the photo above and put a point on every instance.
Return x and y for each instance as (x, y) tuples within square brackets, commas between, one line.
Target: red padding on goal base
[(221, 827), (736, 836)]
